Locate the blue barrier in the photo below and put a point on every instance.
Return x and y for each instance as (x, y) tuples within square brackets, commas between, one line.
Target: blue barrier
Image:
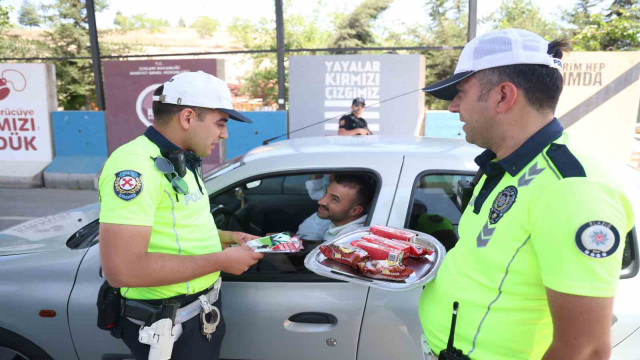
[(244, 137), (443, 124), (80, 141)]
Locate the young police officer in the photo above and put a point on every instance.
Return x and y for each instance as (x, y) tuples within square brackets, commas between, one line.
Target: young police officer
[(354, 124), (541, 241), (158, 240)]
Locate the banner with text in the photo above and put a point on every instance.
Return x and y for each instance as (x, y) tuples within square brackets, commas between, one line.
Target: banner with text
[(27, 98), (323, 87), (129, 87), (600, 99)]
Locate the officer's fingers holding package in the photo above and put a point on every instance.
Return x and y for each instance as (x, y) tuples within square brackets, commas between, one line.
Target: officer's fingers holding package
[(238, 259)]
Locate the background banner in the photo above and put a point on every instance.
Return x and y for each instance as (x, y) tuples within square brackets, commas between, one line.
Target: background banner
[(27, 97), (323, 87), (599, 103), (129, 86)]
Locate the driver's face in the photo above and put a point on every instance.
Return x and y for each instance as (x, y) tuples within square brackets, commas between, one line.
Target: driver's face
[(337, 203)]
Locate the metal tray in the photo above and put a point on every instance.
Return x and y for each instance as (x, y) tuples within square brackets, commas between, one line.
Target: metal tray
[(424, 269)]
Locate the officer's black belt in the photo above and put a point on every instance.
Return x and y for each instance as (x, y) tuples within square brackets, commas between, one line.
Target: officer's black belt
[(151, 310)]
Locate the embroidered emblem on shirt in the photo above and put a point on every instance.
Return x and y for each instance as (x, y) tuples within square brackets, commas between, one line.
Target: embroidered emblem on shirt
[(502, 203), (597, 239), (128, 184), (342, 122)]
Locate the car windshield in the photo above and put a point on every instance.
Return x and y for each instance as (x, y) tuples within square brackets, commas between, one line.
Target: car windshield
[(224, 168)]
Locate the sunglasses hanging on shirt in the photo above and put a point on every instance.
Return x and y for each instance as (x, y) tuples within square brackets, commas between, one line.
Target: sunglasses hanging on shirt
[(166, 167)]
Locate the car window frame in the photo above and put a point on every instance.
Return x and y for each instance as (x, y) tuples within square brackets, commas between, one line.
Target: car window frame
[(631, 238), (297, 277), (421, 175)]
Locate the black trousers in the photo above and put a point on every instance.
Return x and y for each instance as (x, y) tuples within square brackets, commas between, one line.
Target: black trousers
[(191, 345)]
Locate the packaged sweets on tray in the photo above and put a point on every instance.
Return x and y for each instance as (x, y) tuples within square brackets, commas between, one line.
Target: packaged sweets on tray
[(379, 256)]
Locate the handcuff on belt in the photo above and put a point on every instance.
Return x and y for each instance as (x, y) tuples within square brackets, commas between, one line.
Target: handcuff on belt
[(161, 326)]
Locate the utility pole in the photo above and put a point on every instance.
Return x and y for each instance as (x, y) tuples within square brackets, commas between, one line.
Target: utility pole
[(280, 49), (95, 53), (473, 19)]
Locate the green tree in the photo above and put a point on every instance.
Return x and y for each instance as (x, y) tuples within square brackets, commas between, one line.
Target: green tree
[(355, 29), (447, 27), (181, 23), (299, 32), (616, 29), (14, 46), (521, 14), (28, 15), (68, 38), (138, 22), (122, 22), (5, 20), (579, 16), (205, 26)]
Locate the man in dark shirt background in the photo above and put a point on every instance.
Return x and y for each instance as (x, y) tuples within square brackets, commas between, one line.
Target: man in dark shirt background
[(354, 124)]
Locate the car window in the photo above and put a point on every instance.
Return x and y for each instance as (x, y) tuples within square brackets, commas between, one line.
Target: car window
[(271, 204), (434, 208)]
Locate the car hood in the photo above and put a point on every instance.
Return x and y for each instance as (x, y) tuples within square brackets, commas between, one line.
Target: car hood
[(46, 233)]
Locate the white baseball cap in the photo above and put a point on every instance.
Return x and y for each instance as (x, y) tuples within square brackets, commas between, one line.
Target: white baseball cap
[(493, 49), (199, 89)]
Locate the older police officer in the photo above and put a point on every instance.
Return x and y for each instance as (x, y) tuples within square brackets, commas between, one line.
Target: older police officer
[(541, 242), (158, 241)]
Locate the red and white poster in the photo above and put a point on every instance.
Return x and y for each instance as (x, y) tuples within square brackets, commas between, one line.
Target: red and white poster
[(27, 97), (129, 87)]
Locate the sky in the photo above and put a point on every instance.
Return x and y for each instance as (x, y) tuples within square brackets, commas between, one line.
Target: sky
[(400, 11)]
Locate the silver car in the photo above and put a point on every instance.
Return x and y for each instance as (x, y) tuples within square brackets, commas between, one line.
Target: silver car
[(50, 267)]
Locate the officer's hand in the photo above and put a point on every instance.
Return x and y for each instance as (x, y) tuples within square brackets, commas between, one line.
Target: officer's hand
[(238, 259), (241, 238)]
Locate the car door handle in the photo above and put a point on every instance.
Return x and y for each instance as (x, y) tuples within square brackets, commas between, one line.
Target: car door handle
[(311, 322), (313, 318)]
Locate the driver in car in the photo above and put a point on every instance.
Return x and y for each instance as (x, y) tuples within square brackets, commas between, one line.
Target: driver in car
[(344, 204)]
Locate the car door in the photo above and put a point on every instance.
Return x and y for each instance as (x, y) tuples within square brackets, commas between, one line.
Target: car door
[(91, 343), (278, 309), (426, 188)]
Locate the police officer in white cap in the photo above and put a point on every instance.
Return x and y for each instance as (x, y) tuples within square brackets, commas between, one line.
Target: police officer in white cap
[(541, 241), (158, 242)]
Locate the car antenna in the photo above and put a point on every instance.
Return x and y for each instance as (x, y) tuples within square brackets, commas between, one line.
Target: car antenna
[(451, 353), (266, 142)]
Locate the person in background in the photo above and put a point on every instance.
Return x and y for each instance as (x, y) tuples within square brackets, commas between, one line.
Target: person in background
[(353, 123)]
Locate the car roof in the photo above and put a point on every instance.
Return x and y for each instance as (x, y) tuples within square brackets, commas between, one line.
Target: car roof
[(371, 145)]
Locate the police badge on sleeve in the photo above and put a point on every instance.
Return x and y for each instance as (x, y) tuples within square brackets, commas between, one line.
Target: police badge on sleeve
[(128, 184), (597, 239)]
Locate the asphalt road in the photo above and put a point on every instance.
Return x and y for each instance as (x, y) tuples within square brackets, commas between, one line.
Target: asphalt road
[(20, 205)]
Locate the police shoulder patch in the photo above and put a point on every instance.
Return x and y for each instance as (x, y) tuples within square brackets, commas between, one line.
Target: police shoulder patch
[(342, 122), (502, 203), (597, 239), (128, 184)]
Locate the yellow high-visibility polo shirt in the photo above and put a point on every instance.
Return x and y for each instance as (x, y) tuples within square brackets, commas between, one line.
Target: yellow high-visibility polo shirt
[(559, 222), (134, 192)]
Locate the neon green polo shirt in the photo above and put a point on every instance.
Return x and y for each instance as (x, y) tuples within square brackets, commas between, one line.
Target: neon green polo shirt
[(134, 192), (544, 226)]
